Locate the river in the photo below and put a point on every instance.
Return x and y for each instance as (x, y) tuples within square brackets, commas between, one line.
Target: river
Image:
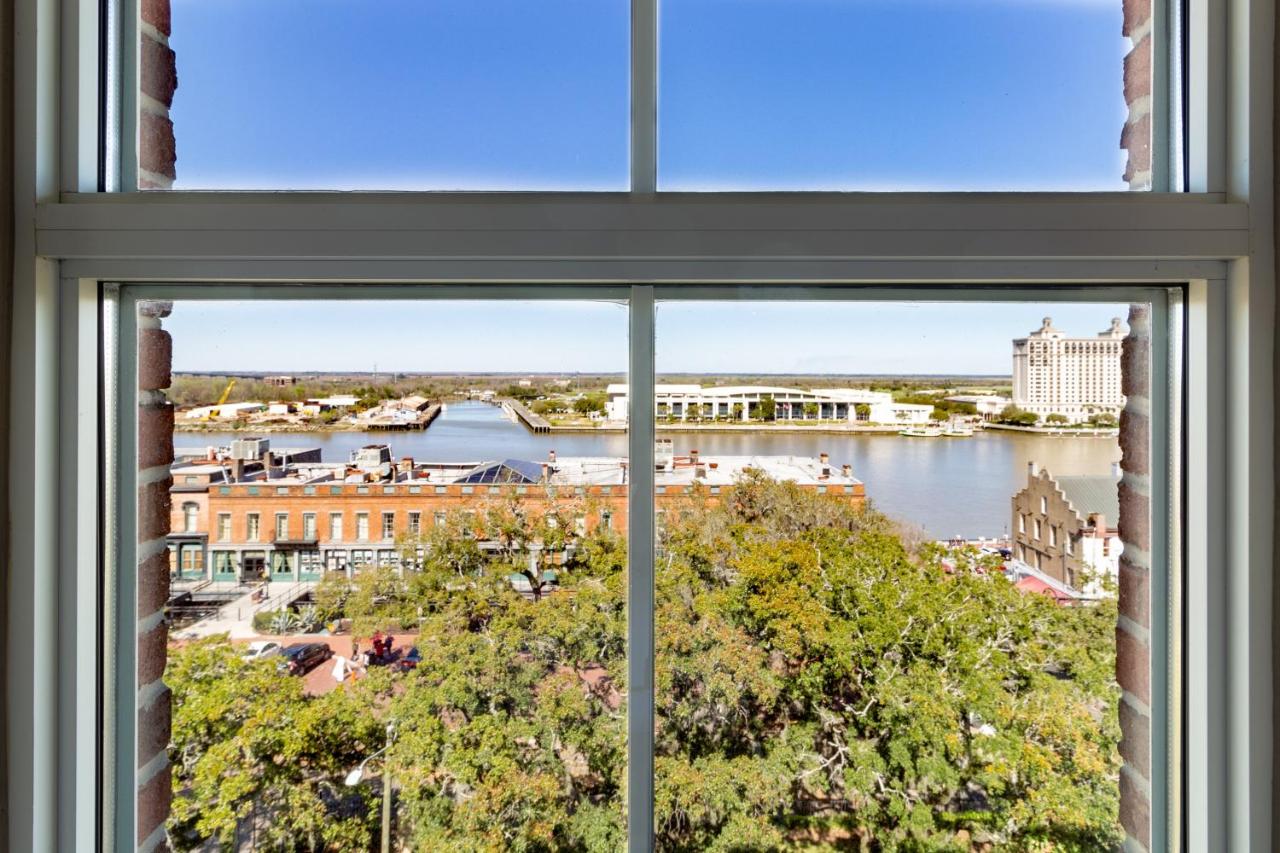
[(948, 486)]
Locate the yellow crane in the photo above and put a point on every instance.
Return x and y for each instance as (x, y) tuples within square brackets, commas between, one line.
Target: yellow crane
[(217, 407)]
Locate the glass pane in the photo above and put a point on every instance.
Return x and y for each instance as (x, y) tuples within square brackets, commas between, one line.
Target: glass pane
[(901, 95), (457, 648), (887, 576), (399, 95)]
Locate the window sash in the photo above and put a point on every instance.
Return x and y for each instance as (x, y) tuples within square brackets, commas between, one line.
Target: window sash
[(642, 301)]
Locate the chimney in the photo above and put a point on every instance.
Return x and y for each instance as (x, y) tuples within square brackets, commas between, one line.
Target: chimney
[(823, 458), (546, 472), (237, 470), (1032, 469), (551, 457), (693, 457), (846, 469), (210, 453), (624, 471)]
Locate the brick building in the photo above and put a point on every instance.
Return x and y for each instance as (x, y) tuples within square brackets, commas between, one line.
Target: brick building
[(287, 516), (1060, 526)]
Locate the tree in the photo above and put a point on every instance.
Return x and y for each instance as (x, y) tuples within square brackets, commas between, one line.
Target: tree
[(811, 411), (588, 403), (815, 671), (736, 411), (1055, 418), (767, 408), (862, 411), (1104, 419), (1013, 415)]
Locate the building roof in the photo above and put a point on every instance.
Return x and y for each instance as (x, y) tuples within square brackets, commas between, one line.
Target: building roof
[(506, 471), (1093, 494)]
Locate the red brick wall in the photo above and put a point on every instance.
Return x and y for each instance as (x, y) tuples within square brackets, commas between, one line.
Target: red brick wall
[(1136, 135), (157, 151), (155, 452), (1133, 628)]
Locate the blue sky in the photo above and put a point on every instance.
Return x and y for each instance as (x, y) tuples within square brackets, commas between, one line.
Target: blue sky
[(776, 337), (754, 94)]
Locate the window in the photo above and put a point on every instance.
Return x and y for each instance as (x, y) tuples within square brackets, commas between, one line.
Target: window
[(388, 525), (190, 517), (415, 523), (251, 527), (1053, 536), (449, 96), (438, 519), (919, 105), (362, 526), (1022, 522), (79, 245), (1036, 535), (335, 527), (308, 525), (1044, 506), (282, 525), (224, 527)]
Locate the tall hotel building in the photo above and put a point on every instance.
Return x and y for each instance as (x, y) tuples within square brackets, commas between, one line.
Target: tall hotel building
[(1073, 377)]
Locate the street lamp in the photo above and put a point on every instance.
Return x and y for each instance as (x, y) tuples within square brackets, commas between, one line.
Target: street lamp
[(357, 775)]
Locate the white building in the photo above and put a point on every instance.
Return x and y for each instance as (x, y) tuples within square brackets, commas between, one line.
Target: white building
[(742, 403), (989, 406), (1072, 377)]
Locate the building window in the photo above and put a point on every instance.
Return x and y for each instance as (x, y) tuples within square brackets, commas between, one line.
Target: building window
[(362, 526), (282, 525), (1044, 505), (1036, 535), (251, 523), (1053, 536), (308, 525), (224, 527), (1022, 522), (388, 525), (335, 527), (606, 519), (190, 517), (415, 523), (438, 519)]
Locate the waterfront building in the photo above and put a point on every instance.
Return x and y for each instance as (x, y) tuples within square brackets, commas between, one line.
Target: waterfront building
[(1061, 526), (241, 520), (989, 406), (748, 402), (1073, 377)]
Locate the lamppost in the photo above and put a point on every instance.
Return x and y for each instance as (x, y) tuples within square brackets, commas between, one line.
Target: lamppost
[(355, 776)]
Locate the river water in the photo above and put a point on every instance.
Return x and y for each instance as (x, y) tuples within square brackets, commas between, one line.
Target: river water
[(948, 486)]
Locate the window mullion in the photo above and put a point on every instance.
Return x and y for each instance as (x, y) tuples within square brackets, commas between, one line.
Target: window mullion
[(644, 96), (640, 572)]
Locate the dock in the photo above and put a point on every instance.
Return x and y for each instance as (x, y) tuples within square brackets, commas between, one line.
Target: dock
[(399, 421), (534, 423)]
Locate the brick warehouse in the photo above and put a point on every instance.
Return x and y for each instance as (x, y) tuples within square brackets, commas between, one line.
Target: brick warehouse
[(291, 527)]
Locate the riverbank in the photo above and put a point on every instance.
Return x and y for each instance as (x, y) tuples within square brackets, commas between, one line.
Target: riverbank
[(1081, 432)]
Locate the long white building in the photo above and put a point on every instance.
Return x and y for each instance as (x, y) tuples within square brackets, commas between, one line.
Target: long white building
[(1073, 377), (743, 403)]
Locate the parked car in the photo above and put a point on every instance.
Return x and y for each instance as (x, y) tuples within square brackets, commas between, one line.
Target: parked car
[(301, 658), (260, 649), (410, 660)]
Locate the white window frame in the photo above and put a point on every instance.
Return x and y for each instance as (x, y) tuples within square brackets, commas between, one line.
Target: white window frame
[(71, 243)]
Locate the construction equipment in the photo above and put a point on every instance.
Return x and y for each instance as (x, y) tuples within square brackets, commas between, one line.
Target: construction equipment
[(216, 411)]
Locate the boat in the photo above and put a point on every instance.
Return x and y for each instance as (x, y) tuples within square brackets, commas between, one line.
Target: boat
[(921, 432), (958, 431)]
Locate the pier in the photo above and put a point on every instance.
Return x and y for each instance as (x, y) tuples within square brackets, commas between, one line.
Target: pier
[(534, 423), (401, 421)]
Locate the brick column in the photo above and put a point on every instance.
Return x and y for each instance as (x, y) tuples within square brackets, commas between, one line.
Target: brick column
[(1136, 136), (155, 453), (157, 151), (1133, 626)]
